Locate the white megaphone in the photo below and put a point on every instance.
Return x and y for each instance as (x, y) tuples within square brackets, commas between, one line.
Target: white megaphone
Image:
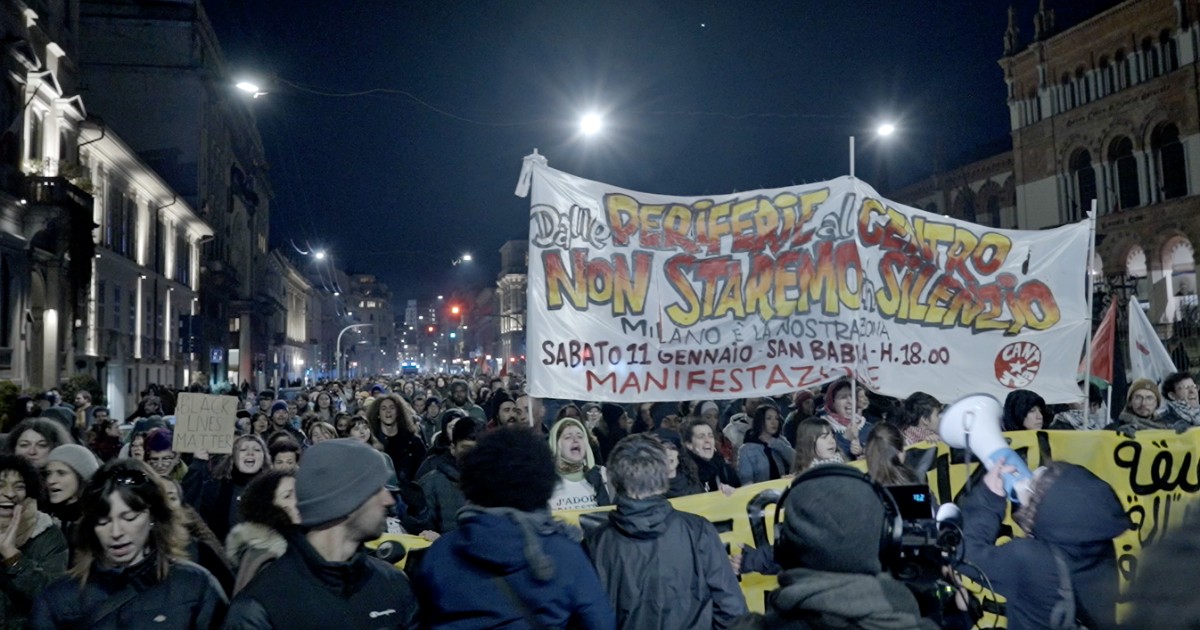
[(973, 423)]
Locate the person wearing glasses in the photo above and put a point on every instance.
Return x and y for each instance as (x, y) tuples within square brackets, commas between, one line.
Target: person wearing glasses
[(130, 570), (160, 455)]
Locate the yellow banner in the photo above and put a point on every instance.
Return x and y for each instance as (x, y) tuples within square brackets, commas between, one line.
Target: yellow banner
[(1155, 476)]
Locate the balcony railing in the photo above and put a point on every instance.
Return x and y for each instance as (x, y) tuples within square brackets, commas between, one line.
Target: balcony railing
[(56, 191)]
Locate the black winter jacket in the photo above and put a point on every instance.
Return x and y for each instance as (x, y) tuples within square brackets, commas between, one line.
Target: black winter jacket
[(1078, 515), (302, 590), (443, 495), (407, 452), (714, 472), (133, 598), (663, 568)]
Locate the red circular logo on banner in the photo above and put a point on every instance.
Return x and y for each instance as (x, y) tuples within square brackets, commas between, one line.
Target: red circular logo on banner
[(1017, 364)]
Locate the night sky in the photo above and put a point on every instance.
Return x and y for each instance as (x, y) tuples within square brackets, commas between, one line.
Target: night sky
[(700, 98)]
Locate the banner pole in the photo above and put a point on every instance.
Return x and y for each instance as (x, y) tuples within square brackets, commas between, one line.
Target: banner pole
[(1091, 288), (851, 156)]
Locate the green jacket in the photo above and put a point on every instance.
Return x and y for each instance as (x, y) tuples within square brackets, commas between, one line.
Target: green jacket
[(43, 560)]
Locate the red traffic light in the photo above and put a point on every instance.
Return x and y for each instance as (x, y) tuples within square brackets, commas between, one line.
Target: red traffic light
[(455, 310)]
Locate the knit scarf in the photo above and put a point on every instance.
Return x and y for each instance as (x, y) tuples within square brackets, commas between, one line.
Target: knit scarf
[(915, 434), (570, 470), (1184, 412), (838, 423), (533, 525), (836, 459)]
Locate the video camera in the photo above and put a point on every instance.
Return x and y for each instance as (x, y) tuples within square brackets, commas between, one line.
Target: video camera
[(927, 540)]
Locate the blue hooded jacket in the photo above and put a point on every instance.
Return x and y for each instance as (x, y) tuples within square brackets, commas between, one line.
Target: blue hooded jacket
[(501, 566)]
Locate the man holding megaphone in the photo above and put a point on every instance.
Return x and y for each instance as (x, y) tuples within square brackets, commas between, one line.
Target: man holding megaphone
[(1063, 572)]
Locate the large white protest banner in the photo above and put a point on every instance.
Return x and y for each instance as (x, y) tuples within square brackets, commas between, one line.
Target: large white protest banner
[(644, 297)]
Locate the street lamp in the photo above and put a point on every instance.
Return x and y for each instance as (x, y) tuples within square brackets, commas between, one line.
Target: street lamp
[(458, 261), (591, 124), (338, 351), (250, 88), (319, 254), (883, 131)]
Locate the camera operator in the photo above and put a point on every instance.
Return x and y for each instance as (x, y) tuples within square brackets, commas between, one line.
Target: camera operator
[(1065, 570), (829, 548)]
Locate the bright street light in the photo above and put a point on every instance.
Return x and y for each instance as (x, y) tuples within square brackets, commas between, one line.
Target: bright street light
[(591, 124), (458, 261), (884, 130), (250, 88), (320, 254)]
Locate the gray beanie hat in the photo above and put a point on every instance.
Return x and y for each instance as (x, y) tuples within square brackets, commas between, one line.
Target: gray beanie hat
[(831, 523), (77, 458), (337, 477)]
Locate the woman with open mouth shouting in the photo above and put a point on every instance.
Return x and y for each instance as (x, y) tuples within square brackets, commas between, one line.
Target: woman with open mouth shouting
[(581, 483), (68, 469), (130, 571), (216, 494), (33, 551)]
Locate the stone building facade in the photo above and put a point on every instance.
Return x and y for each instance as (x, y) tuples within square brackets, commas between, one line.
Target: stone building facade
[(1108, 111)]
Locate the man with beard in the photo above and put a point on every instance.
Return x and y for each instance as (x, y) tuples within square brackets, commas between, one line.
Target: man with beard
[(1141, 407), (325, 580), (459, 398), (502, 410), (1183, 401), (281, 420), (700, 442)]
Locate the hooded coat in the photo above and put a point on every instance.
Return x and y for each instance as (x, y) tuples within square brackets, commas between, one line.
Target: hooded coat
[(500, 567), (1018, 404), (594, 480), (251, 547), (663, 568), (1076, 514)]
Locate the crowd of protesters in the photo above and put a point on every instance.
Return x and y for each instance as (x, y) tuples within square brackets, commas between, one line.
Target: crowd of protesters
[(103, 524)]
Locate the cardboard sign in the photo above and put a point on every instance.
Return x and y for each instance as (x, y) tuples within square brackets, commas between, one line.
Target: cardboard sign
[(205, 423)]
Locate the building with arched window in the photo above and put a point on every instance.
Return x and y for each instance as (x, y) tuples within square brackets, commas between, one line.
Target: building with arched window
[(1106, 112)]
